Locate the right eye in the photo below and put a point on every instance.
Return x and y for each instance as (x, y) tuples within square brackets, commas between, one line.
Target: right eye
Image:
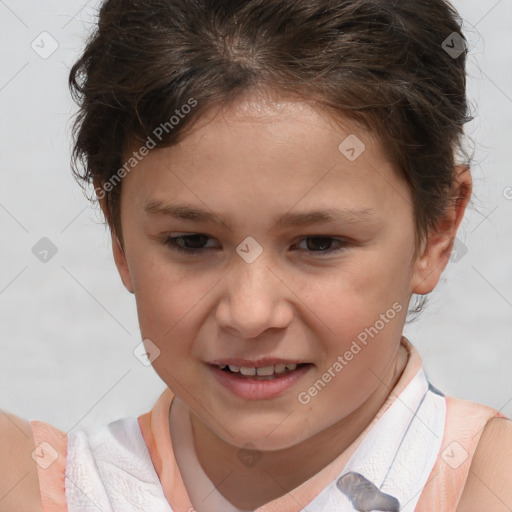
[(182, 243)]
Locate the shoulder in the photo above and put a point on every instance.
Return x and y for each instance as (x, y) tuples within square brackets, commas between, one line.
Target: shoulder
[(19, 482), (489, 483)]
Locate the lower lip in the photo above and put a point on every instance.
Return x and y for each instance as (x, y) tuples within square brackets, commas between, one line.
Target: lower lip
[(253, 389)]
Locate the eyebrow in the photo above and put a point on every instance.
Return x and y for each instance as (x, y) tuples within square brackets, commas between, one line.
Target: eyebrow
[(194, 214)]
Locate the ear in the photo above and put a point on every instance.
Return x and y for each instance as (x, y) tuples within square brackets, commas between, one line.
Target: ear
[(117, 248), (438, 248)]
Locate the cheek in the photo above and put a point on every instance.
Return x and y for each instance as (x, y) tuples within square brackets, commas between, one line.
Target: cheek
[(166, 297), (382, 274), (360, 310), (167, 305), (353, 295)]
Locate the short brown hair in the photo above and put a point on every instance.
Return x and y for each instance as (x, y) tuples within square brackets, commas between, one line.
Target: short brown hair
[(380, 63)]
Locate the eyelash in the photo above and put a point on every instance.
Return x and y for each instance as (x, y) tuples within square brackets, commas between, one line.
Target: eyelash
[(171, 242)]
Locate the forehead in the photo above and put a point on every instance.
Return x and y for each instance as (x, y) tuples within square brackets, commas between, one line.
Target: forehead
[(271, 146), (272, 113)]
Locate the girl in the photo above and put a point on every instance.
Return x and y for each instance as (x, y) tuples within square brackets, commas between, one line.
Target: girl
[(279, 177)]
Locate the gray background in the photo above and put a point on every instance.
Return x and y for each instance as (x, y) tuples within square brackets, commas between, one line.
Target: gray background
[(68, 327)]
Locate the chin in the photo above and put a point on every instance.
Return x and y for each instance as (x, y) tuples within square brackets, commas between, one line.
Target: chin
[(266, 437)]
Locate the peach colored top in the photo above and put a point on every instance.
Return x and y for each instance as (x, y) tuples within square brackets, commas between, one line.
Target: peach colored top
[(414, 456)]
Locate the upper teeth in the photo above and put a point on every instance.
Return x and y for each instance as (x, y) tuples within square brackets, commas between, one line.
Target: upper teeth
[(263, 370)]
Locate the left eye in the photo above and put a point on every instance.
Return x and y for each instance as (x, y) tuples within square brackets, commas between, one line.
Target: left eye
[(315, 244), (318, 244)]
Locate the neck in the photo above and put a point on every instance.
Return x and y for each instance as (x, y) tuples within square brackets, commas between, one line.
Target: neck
[(278, 472)]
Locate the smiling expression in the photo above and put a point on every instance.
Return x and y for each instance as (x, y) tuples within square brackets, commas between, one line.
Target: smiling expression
[(298, 249)]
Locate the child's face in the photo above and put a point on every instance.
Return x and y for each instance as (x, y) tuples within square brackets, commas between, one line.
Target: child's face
[(299, 300)]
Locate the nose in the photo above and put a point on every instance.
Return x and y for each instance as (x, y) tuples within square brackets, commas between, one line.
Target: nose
[(254, 298)]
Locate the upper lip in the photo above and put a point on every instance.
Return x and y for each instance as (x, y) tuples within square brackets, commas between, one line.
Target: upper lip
[(260, 363)]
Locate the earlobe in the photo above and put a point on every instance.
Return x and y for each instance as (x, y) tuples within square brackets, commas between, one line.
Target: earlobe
[(430, 265), (438, 248), (122, 263)]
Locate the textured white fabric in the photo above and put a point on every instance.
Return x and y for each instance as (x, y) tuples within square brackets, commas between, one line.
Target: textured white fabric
[(110, 470), (399, 453)]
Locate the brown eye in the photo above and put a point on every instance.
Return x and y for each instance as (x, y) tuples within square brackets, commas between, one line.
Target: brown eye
[(323, 244), (189, 244)]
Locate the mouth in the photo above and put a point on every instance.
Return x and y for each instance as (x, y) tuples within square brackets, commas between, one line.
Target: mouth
[(260, 379), (267, 372)]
